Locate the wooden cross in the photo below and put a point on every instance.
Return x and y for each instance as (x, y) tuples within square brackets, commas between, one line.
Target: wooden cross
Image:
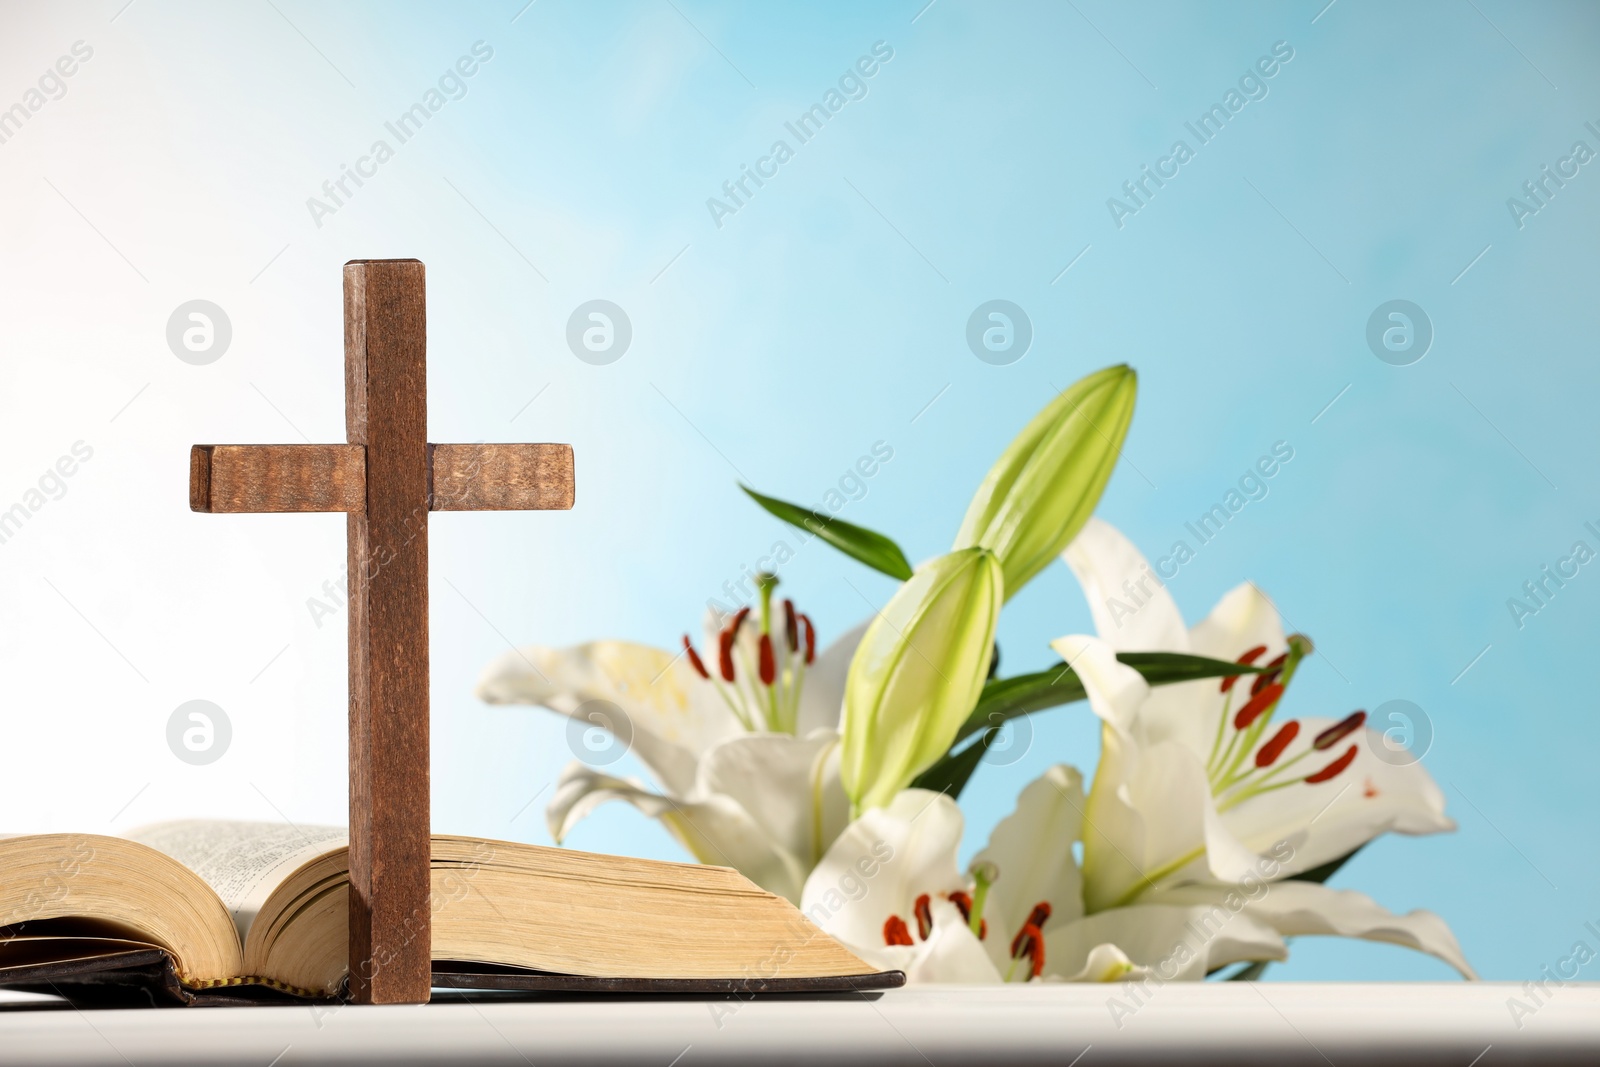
[(387, 479)]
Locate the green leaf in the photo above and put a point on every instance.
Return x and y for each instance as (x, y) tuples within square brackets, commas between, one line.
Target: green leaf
[(1044, 487), (1249, 972), (1007, 698), (867, 546), (950, 775), (1323, 873)]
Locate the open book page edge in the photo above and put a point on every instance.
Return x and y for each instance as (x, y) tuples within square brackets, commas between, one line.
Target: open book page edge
[(243, 862)]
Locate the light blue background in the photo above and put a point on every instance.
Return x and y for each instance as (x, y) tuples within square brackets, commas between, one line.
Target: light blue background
[(825, 316)]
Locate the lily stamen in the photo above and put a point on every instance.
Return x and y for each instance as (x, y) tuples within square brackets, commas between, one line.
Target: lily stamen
[(769, 666), (1339, 731), (694, 659), (1334, 769), (1260, 702), (1032, 949), (725, 650), (1268, 753), (1271, 673), (895, 932), (1029, 942), (1244, 789), (1254, 717), (923, 910), (963, 903), (759, 675)]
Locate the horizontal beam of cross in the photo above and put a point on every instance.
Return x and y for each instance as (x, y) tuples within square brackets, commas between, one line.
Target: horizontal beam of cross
[(254, 479)]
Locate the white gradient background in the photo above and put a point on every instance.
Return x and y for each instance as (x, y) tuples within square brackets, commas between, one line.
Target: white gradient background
[(819, 319)]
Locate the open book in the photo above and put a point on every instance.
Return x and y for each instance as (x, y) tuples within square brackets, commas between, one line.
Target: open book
[(193, 911)]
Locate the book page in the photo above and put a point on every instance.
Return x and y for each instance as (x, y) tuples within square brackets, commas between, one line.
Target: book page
[(242, 861)]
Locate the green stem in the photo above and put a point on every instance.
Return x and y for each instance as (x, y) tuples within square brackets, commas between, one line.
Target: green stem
[(1222, 727), (1279, 769), (1161, 872), (1247, 794)]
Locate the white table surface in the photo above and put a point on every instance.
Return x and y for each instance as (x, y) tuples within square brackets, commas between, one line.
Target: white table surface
[(1237, 1024)]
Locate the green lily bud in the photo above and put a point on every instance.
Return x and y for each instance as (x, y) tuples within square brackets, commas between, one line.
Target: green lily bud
[(1045, 486), (917, 674)]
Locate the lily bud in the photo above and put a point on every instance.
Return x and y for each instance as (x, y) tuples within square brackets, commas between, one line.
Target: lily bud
[(917, 674), (1045, 486)]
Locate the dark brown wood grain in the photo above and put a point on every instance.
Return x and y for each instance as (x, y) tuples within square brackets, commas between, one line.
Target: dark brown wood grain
[(259, 478), (387, 478), (502, 477), (386, 384)]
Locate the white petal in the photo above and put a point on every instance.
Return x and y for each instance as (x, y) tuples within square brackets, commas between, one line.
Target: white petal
[(673, 714), (1032, 848), (1189, 712), (822, 695), (1150, 815), (1116, 691), (881, 863), (1242, 619), (1172, 794), (788, 785), (1295, 908), (714, 829), (1137, 616), (1331, 819), (1113, 828), (952, 952), (1151, 806), (1105, 963), (1147, 619), (1172, 942)]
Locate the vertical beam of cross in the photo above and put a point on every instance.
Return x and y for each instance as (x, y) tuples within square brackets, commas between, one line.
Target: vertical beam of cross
[(386, 384)]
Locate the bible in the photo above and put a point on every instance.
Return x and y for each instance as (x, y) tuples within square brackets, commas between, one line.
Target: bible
[(197, 912)]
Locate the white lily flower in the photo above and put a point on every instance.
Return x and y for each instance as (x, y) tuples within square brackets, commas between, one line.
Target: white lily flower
[(890, 889), (1198, 793), (743, 742), (885, 889)]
